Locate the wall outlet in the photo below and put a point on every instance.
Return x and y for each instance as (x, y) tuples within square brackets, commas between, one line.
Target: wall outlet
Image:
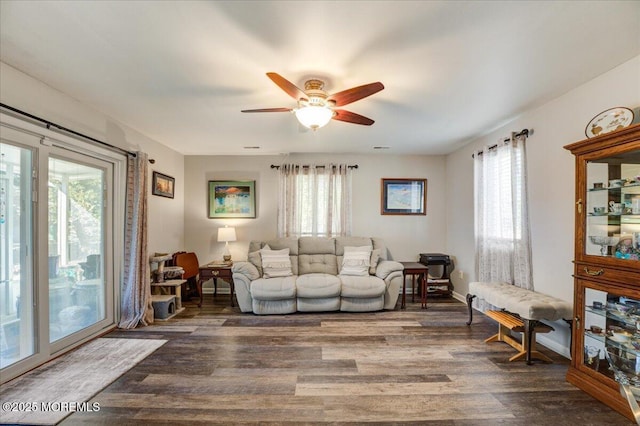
[(461, 274)]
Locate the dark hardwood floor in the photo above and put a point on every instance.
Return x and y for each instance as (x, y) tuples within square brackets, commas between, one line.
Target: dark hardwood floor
[(398, 367)]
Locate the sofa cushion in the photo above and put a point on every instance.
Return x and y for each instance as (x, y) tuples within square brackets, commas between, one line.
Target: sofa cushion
[(273, 307), (273, 288), (318, 286), (379, 244), (356, 261), (362, 287), (357, 304), (342, 242), (276, 263), (325, 304), (317, 264), (316, 245), (283, 243)]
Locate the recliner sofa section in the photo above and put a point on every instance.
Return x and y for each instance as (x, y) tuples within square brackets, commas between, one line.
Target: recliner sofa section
[(320, 278)]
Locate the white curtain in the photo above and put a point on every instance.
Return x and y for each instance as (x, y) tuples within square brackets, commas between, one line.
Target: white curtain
[(314, 200), (136, 308), (503, 246)]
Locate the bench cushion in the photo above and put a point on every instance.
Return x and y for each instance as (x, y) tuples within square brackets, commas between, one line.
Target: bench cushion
[(526, 303)]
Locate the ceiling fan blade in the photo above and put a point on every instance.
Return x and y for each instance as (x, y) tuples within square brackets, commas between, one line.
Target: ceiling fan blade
[(352, 117), (291, 89), (267, 110), (356, 93)]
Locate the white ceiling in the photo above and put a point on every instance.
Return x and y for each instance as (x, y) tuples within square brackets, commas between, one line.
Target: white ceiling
[(181, 71)]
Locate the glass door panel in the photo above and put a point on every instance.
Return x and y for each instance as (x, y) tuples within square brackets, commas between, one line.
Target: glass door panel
[(613, 207), (17, 324), (612, 330), (76, 221)]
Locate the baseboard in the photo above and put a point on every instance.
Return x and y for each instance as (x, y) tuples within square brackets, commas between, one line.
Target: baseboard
[(459, 297), (553, 345)]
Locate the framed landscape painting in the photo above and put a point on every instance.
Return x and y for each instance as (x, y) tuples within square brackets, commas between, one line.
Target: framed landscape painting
[(232, 199), (403, 197), (162, 185)]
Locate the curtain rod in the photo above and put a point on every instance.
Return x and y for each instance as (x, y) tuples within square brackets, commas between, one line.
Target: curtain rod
[(48, 124), (355, 166), (523, 132)]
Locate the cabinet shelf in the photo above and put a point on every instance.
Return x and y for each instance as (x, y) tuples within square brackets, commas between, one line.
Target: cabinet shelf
[(615, 188)]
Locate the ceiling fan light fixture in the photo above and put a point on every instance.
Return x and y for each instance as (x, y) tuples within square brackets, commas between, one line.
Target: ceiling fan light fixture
[(313, 116)]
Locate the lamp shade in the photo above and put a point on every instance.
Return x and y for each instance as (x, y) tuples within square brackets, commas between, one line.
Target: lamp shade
[(226, 234), (314, 116)]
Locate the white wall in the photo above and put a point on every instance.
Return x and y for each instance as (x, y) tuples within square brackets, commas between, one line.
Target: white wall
[(166, 217), (551, 181), (405, 236)]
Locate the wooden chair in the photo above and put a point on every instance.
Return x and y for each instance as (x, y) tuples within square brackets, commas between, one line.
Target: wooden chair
[(189, 262)]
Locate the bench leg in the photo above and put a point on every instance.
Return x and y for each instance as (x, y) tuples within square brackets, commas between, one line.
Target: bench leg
[(529, 330), (470, 298), (529, 350), (570, 322)]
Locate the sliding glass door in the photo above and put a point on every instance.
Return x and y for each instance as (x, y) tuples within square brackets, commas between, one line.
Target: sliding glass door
[(17, 325), (76, 240), (60, 259)]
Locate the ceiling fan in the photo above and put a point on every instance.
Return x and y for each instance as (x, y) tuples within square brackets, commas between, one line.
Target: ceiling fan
[(316, 107)]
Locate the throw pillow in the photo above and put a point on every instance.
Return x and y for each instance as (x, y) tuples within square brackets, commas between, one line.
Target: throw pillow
[(356, 261), (256, 260), (276, 263), (375, 258)]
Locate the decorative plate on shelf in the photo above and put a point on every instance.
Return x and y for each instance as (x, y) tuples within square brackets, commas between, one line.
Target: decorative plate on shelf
[(608, 121)]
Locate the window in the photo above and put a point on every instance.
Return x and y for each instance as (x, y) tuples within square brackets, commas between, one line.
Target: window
[(501, 214), (314, 201)]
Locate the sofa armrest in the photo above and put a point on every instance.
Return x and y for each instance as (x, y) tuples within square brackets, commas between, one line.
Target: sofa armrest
[(386, 267), (247, 269)]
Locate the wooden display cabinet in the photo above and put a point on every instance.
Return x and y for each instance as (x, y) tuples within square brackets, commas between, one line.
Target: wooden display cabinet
[(607, 265)]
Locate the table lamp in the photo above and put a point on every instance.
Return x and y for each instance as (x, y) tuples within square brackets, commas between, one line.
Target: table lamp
[(226, 234)]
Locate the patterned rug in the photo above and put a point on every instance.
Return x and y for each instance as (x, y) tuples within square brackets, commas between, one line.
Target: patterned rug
[(63, 386)]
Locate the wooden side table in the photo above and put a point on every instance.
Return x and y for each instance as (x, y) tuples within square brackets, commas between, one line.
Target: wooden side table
[(419, 270), (213, 272)]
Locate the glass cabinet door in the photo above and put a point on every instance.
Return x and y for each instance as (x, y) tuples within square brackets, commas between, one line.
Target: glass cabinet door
[(613, 207), (612, 335)]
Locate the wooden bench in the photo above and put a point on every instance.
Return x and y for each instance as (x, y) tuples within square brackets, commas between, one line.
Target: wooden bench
[(508, 322), (530, 307)]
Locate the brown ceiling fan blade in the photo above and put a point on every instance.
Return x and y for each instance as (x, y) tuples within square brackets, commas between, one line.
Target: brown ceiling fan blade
[(356, 93), (291, 89), (352, 117), (267, 110)]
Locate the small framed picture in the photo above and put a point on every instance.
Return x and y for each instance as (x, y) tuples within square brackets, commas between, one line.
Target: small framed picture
[(162, 185), (403, 197), (232, 199)]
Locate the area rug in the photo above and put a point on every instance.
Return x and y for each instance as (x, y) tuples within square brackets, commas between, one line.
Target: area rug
[(63, 386)]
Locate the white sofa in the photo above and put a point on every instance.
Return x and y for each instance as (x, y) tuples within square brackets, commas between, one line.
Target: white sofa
[(317, 280)]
